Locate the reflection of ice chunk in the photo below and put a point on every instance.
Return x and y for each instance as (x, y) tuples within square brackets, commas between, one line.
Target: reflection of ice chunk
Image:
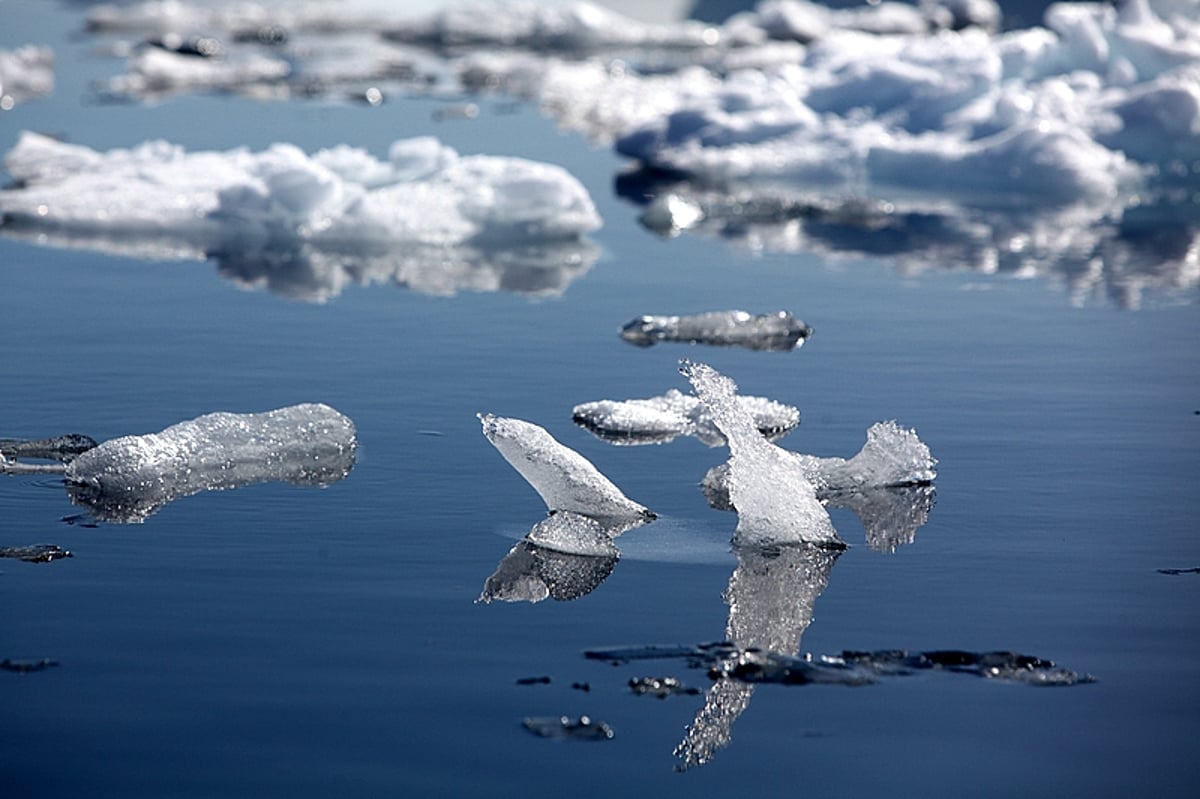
[(769, 486), (324, 219), (774, 331), (565, 480), (565, 556), (127, 479), (25, 73), (658, 420)]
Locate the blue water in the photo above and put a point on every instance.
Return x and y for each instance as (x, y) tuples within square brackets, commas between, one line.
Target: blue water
[(284, 641)]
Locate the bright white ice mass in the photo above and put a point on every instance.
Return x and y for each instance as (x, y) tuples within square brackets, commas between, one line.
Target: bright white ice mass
[(424, 216)]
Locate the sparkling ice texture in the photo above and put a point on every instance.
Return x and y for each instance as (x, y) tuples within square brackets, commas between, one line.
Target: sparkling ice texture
[(128, 478), (774, 331), (565, 480), (770, 487)]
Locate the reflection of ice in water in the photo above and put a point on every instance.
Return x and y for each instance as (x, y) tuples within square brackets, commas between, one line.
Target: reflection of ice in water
[(565, 556), (770, 596), (657, 420), (305, 225), (127, 479), (569, 553), (773, 331), (770, 487)]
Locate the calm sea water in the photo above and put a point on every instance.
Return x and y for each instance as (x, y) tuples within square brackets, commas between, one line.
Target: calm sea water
[(282, 641)]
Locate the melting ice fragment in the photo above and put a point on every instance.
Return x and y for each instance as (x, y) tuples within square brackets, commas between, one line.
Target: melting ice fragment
[(779, 331), (769, 486), (565, 480), (25, 73), (127, 479), (657, 420), (583, 728)]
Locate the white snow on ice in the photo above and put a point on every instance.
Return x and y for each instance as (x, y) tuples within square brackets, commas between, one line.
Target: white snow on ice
[(307, 224)]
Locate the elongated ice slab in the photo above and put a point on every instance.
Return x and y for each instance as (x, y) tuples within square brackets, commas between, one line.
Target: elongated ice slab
[(306, 225), (770, 487), (583, 728), (126, 479), (564, 479), (778, 331), (657, 420), (59, 448)]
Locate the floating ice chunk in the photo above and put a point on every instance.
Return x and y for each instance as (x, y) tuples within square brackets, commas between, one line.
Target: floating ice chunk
[(778, 331), (564, 479), (581, 729), (892, 456), (425, 217), (129, 478), (25, 73), (59, 448), (658, 420), (769, 486)]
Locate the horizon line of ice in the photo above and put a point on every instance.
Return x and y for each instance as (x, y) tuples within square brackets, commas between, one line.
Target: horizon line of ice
[(127, 479)]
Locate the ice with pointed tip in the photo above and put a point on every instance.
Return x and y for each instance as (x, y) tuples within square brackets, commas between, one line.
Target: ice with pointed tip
[(657, 420), (564, 479), (126, 479), (770, 487), (779, 331)]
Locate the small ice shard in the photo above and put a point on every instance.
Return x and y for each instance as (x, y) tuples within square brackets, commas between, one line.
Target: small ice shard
[(37, 553), (127, 479), (565, 480), (769, 486), (657, 420), (779, 331), (532, 571), (583, 728), (660, 687), (59, 448)]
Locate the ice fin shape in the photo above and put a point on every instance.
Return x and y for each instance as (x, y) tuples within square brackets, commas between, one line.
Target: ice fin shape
[(565, 480), (657, 420), (127, 479), (779, 331), (769, 486)]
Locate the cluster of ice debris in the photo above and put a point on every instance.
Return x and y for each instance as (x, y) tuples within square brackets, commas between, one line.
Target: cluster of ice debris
[(926, 134), (306, 225)]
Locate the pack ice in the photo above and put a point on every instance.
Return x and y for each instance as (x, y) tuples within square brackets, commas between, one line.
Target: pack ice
[(127, 479), (307, 224)]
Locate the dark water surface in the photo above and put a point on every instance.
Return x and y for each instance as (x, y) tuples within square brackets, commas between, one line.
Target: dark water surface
[(284, 641)]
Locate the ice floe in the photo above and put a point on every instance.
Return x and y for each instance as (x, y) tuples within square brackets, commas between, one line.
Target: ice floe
[(779, 331), (658, 420), (25, 73), (129, 478), (306, 225)]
